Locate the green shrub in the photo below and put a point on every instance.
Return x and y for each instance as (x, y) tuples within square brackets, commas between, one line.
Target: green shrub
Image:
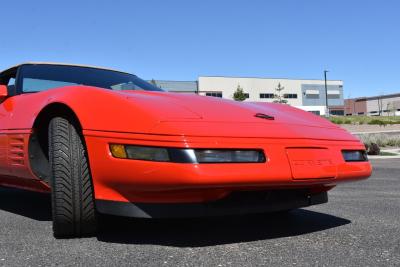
[(377, 122), (337, 120)]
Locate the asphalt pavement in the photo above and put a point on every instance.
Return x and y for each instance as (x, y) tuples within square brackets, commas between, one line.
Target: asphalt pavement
[(360, 226)]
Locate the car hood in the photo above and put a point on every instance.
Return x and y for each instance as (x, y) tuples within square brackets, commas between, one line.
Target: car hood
[(194, 115)]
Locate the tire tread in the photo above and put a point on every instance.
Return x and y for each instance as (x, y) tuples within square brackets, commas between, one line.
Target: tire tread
[(72, 190)]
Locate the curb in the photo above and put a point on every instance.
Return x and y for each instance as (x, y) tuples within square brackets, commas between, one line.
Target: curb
[(377, 132), (393, 150), (383, 157)]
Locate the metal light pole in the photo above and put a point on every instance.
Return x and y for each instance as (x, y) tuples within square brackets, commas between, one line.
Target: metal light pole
[(326, 94)]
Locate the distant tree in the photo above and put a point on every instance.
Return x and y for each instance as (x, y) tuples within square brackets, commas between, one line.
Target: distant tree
[(278, 95), (391, 109), (153, 82), (239, 95), (380, 108)]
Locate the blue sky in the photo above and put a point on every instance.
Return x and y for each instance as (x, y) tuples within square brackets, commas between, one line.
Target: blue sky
[(358, 41)]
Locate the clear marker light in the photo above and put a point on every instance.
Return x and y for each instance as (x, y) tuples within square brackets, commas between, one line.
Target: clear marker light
[(147, 153), (354, 155)]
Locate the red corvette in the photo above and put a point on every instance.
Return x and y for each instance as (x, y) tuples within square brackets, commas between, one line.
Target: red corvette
[(104, 141)]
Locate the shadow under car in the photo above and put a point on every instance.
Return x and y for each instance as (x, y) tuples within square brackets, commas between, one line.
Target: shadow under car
[(187, 232)]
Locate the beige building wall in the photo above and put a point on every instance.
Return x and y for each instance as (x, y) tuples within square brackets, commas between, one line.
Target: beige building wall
[(389, 106)]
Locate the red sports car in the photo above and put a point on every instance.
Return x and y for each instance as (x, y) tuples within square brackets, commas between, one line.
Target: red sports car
[(105, 141)]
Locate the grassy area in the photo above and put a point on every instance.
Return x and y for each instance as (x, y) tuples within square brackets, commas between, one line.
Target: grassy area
[(381, 139), (384, 153), (381, 120)]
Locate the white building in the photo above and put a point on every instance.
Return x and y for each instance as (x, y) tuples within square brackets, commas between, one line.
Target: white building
[(308, 95)]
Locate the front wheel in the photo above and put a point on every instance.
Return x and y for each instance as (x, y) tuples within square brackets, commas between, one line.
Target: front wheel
[(73, 208)]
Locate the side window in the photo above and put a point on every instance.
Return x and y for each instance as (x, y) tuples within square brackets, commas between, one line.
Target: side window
[(8, 78), (12, 90), (11, 82), (30, 85)]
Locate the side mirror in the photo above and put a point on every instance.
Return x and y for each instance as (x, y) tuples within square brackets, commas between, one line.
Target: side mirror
[(3, 92)]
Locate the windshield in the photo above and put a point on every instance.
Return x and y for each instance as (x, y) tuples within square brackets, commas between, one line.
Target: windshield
[(36, 78)]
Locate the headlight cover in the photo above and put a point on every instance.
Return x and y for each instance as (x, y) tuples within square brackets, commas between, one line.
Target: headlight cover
[(178, 155), (221, 156), (354, 155)]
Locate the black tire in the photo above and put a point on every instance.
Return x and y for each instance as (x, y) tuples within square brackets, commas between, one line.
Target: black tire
[(73, 208)]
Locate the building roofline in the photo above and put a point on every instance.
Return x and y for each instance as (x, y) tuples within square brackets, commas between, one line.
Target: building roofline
[(266, 78), (61, 64), (365, 98), (191, 81)]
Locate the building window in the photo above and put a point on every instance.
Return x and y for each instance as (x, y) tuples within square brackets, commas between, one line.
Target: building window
[(266, 95), (374, 112), (360, 113), (337, 112), (246, 95), (214, 94), (316, 112), (311, 93), (312, 96), (290, 95), (333, 96)]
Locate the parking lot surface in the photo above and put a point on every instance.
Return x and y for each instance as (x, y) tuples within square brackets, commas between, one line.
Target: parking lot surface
[(360, 226)]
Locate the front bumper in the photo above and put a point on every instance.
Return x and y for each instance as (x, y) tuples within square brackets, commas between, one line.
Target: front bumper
[(125, 180), (237, 203)]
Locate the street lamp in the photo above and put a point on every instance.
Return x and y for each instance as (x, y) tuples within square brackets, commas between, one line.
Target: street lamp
[(326, 94)]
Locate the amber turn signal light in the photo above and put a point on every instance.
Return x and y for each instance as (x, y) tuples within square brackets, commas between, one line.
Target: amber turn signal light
[(118, 151)]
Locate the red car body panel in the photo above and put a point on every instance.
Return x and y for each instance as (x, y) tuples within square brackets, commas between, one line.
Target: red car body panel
[(302, 150), (170, 182)]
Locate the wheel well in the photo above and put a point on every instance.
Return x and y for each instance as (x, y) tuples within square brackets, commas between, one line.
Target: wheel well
[(38, 141)]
